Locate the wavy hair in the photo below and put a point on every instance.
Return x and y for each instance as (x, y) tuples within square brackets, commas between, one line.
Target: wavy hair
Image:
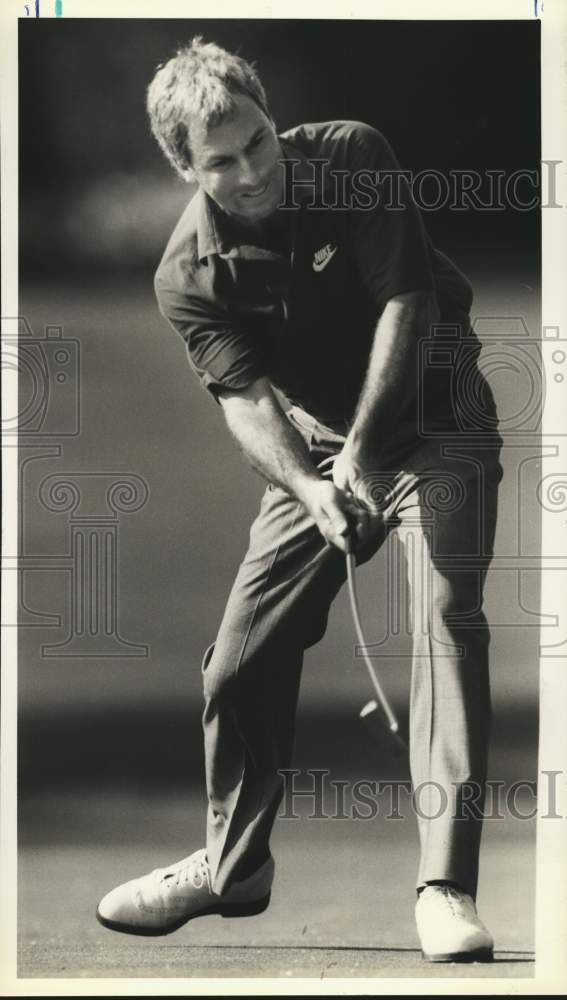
[(199, 83)]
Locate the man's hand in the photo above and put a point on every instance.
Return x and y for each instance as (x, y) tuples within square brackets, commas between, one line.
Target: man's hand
[(391, 382), (276, 449), (337, 516), (350, 472)]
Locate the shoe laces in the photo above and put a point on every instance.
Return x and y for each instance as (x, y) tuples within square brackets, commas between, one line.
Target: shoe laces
[(452, 896), (193, 870)]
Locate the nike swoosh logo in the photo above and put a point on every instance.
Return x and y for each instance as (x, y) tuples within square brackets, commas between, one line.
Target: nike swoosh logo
[(318, 265)]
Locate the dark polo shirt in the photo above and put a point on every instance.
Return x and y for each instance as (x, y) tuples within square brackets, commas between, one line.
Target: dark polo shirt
[(303, 312)]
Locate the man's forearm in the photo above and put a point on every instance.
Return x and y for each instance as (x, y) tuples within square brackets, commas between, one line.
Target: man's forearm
[(271, 444), (279, 453), (393, 370)]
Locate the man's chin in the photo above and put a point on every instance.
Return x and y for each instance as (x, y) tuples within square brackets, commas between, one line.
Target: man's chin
[(260, 208), (253, 214)]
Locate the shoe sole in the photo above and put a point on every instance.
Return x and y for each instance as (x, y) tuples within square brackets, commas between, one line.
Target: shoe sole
[(226, 910), (479, 955)]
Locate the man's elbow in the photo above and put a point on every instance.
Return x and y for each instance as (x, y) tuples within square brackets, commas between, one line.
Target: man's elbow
[(420, 305), (255, 396)]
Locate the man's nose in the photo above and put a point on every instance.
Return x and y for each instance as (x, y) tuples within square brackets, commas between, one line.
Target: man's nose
[(249, 173)]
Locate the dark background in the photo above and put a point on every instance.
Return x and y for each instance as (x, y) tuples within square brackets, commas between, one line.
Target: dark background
[(98, 197), (97, 204)]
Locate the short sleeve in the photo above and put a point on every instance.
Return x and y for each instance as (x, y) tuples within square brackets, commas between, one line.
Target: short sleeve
[(389, 242), (222, 355)]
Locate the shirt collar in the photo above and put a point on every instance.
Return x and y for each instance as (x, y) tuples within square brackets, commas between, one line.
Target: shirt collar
[(218, 233)]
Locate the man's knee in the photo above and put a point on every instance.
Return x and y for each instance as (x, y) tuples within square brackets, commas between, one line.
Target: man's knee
[(458, 598), (218, 672)]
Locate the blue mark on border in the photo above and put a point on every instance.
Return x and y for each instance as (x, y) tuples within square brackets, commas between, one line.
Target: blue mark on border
[(58, 8)]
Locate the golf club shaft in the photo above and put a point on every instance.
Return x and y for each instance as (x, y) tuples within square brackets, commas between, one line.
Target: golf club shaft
[(392, 721)]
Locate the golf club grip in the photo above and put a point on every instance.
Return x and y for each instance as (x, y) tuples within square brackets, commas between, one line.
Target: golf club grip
[(393, 722)]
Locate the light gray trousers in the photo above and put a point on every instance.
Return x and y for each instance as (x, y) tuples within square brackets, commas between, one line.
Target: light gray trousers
[(440, 496)]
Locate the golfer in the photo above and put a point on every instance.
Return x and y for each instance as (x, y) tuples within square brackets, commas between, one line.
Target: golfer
[(304, 284)]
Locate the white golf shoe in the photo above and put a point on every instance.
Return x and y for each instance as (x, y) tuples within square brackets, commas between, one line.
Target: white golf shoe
[(449, 928), (167, 898)]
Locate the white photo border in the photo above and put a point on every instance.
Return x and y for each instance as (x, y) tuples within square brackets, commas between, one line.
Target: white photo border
[(551, 897)]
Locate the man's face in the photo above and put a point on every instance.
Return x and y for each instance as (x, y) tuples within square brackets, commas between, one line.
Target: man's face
[(237, 162)]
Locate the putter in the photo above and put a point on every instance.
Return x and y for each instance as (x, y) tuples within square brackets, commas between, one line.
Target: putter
[(377, 715)]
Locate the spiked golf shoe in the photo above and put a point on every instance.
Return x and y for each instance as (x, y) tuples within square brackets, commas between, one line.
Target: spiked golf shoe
[(167, 898), (449, 928)]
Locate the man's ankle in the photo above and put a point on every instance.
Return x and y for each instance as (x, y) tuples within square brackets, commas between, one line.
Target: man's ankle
[(251, 865), (441, 881)]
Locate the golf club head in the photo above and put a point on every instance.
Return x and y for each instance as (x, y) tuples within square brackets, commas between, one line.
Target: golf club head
[(376, 725)]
